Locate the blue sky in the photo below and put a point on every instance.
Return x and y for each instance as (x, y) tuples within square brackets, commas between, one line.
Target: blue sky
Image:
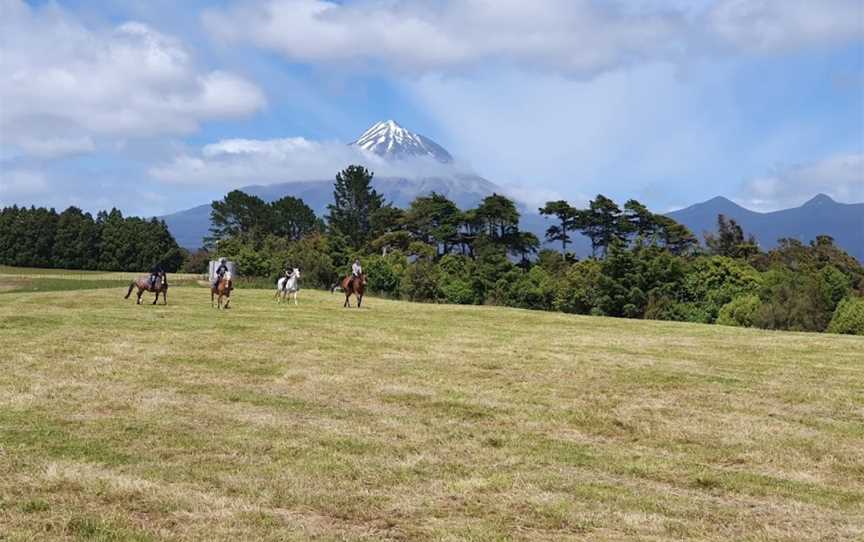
[(155, 106)]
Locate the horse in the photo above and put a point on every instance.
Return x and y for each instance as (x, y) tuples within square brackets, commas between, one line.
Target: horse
[(288, 285), (222, 288), (354, 285), (143, 284)]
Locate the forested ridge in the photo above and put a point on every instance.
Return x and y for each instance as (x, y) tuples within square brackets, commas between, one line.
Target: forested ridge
[(73, 239)]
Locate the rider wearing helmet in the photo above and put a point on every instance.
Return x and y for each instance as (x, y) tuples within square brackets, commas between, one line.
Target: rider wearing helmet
[(220, 271), (356, 270)]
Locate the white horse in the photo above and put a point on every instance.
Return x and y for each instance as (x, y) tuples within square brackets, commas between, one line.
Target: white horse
[(288, 285)]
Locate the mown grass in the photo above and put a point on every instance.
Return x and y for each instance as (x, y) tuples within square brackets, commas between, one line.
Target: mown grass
[(405, 421), (21, 280)]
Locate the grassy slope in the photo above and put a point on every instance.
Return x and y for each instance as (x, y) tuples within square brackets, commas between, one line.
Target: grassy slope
[(417, 422)]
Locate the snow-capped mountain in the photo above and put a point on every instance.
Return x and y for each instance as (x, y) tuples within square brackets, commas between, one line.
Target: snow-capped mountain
[(388, 139)]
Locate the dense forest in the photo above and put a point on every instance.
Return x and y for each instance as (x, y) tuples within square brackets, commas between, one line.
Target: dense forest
[(642, 264), (73, 239)]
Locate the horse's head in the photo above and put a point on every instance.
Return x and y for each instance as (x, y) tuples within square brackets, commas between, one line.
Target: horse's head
[(163, 279), (363, 278), (296, 273)]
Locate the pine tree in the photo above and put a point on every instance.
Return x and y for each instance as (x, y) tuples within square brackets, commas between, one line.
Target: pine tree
[(354, 203), (567, 222), (603, 223), (292, 218)]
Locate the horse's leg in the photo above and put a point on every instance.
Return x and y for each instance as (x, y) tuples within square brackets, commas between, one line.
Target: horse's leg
[(295, 296), (140, 293), (212, 297), (347, 297), (359, 300), (155, 299), (165, 296)]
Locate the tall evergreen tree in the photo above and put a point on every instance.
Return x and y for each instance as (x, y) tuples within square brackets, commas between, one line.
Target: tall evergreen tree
[(730, 241), (76, 244), (604, 224), (677, 238), (238, 213), (498, 216), (434, 220), (292, 218), (354, 203), (567, 222)]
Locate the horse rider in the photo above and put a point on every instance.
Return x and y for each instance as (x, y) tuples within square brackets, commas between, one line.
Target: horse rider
[(287, 274), (220, 271), (156, 272), (356, 270)]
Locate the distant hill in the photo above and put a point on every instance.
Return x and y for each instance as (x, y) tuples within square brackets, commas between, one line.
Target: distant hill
[(819, 216)]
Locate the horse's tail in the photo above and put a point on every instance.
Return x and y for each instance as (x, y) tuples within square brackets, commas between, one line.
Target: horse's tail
[(132, 285)]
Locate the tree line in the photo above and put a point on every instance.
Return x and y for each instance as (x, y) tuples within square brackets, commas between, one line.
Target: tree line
[(642, 264), (73, 239)]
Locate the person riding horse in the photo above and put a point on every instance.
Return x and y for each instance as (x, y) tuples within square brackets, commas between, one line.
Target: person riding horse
[(220, 272), (354, 284), (156, 272)]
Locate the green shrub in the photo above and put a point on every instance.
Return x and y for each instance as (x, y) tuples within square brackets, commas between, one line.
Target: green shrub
[(456, 280), (712, 282), (792, 300), (252, 264), (384, 273), (740, 312), (848, 317), (834, 285), (666, 308), (420, 282), (457, 291), (577, 292)]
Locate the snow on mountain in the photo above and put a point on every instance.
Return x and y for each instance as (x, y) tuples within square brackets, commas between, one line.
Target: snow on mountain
[(389, 140)]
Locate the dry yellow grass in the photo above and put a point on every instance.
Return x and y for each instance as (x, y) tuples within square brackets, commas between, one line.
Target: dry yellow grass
[(405, 421)]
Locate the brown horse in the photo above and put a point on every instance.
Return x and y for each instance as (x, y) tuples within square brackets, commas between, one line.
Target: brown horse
[(143, 284), (354, 285), (222, 289)]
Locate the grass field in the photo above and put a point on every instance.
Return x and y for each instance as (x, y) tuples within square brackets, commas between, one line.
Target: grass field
[(416, 422)]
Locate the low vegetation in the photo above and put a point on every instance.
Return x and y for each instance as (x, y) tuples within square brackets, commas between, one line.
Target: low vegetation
[(402, 421)]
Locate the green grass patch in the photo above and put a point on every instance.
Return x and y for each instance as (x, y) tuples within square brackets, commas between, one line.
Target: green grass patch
[(401, 421)]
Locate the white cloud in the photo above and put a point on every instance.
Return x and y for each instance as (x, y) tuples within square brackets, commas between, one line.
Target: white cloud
[(574, 37), (840, 176), (65, 85), (784, 25), (53, 147), (629, 133), (236, 162), (18, 183)]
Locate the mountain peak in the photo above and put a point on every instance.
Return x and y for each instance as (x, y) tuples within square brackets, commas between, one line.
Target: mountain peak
[(819, 199), (390, 140)]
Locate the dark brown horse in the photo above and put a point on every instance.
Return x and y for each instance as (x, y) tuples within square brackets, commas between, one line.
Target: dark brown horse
[(354, 285), (143, 284), (222, 288)]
